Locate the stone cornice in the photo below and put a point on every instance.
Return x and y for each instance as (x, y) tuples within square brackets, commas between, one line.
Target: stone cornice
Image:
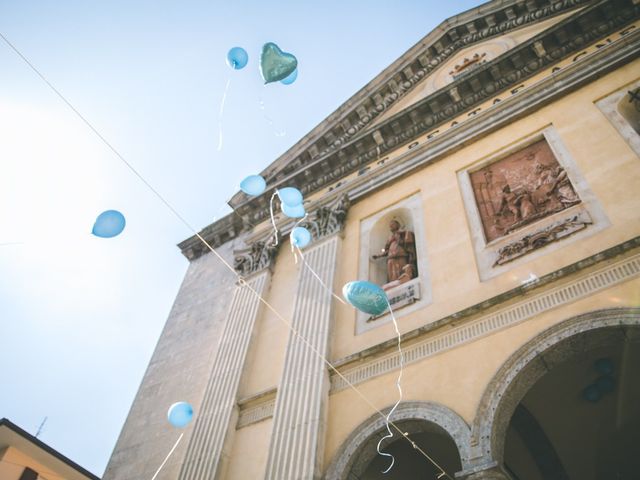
[(503, 73), (592, 274), (458, 32)]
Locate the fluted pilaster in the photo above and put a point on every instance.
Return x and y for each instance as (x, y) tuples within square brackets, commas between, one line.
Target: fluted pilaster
[(215, 421), (296, 442)]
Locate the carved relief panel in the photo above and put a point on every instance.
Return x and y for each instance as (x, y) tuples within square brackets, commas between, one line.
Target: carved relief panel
[(524, 198), (523, 187)]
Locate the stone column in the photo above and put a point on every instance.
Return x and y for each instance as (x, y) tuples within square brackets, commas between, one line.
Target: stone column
[(215, 422), (299, 418)]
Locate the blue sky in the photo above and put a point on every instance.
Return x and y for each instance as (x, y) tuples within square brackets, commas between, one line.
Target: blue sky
[(80, 316)]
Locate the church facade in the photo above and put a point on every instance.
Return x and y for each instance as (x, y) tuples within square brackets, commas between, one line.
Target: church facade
[(489, 180)]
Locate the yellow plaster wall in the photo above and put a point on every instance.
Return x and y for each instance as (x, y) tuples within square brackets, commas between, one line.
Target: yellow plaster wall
[(249, 454), (609, 166), (457, 378)]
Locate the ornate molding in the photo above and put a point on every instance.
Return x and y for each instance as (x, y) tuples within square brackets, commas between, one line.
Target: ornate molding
[(327, 220), (429, 54), (258, 256), (580, 287), (503, 74), (542, 237)]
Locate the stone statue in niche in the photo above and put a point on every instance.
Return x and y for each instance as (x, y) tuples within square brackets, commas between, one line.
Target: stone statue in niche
[(524, 187), (400, 252)]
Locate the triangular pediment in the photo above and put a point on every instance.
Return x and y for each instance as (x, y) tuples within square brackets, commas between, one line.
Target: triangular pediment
[(465, 61), (497, 25), (431, 88)]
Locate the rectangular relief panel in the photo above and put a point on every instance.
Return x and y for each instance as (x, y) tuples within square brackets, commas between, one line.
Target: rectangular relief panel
[(526, 197)]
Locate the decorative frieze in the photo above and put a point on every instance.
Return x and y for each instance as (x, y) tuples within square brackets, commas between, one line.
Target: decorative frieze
[(256, 408), (581, 287)]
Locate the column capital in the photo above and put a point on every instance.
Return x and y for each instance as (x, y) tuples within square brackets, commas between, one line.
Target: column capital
[(257, 256), (329, 219)]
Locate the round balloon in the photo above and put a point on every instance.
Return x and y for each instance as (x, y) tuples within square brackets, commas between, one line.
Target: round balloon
[(291, 196), (275, 64), (108, 224), (291, 78), (237, 58), (253, 185), (300, 237), (366, 297), (297, 211), (591, 393), (180, 414)]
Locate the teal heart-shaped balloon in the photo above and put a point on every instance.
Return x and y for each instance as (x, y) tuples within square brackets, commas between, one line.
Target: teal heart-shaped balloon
[(276, 65)]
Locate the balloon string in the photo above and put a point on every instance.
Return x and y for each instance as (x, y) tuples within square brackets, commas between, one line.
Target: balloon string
[(277, 133), (220, 114), (167, 457), (273, 220), (241, 281), (295, 256), (306, 264), (399, 386)]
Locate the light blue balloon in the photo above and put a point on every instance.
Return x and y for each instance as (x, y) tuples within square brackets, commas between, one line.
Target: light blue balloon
[(253, 185), (275, 64), (291, 196), (297, 211), (291, 78), (108, 224), (237, 58), (180, 414), (366, 297), (300, 237)]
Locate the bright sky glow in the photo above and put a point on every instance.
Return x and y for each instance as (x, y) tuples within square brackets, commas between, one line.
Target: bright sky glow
[(80, 315)]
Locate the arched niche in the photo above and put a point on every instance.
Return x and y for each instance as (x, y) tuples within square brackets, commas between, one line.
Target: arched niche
[(357, 456), (378, 237), (409, 296), (544, 354)]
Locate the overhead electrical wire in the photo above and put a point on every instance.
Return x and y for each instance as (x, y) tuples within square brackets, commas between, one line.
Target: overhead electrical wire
[(241, 280)]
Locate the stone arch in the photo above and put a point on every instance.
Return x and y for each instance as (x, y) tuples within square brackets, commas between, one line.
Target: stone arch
[(529, 363), (365, 437)]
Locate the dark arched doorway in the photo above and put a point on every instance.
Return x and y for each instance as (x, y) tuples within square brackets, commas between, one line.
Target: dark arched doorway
[(410, 464), (581, 420), (567, 404), (437, 430)]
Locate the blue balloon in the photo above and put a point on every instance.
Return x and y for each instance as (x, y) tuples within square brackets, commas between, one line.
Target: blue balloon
[(291, 78), (604, 366), (275, 64), (291, 196), (253, 185), (300, 237), (591, 394), (366, 297), (108, 224), (297, 211), (180, 414), (237, 58)]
